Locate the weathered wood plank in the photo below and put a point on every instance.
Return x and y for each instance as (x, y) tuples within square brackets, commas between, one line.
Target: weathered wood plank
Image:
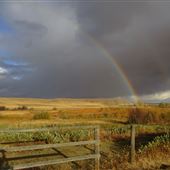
[(53, 162), (46, 146), (132, 153), (97, 148), (47, 129), (32, 156), (65, 156)]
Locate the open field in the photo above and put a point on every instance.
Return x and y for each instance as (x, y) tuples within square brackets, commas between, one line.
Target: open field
[(59, 103), (114, 118)]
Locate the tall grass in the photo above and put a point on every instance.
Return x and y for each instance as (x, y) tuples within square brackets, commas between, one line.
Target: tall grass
[(41, 115), (148, 115)]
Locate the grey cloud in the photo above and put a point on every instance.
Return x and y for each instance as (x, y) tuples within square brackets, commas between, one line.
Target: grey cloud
[(30, 26), (138, 37), (100, 19)]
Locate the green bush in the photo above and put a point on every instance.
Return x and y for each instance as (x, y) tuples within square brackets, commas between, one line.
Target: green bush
[(41, 115)]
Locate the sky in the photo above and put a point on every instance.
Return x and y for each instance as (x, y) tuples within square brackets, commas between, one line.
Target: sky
[(85, 49)]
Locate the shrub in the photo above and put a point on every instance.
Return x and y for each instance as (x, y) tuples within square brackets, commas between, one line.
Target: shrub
[(143, 116), (165, 117), (22, 107), (163, 105), (41, 115), (2, 108)]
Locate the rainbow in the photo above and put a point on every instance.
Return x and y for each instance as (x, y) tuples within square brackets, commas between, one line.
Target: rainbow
[(116, 65)]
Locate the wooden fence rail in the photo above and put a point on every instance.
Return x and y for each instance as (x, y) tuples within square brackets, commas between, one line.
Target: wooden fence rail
[(4, 165)]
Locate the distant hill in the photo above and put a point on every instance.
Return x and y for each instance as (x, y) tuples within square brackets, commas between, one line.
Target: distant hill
[(62, 102)]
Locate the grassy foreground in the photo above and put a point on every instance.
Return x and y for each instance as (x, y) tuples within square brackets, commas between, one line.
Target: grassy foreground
[(152, 140)]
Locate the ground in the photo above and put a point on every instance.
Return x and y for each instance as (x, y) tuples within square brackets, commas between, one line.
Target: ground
[(113, 118)]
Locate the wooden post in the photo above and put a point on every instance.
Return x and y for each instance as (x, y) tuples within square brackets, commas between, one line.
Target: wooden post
[(97, 147), (132, 153), (4, 163)]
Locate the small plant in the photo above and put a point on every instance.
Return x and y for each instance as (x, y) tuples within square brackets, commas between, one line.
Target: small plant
[(41, 115), (78, 135)]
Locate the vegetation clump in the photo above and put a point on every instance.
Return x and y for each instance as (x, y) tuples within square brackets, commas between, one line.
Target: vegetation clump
[(163, 105), (22, 107), (143, 116), (2, 108), (159, 141), (41, 115)]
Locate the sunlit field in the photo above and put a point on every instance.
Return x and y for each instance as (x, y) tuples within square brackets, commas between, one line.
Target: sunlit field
[(113, 117)]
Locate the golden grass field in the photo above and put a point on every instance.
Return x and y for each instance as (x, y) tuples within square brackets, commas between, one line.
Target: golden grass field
[(111, 115), (59, 110)]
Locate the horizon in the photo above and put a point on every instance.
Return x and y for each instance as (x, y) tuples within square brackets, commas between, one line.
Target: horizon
[(119, 99)]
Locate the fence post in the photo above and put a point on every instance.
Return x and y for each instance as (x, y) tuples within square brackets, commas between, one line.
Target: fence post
[(97, 147), (132, 153), (3, 162)]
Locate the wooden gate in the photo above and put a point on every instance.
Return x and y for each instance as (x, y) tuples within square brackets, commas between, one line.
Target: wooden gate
[(5, 150)]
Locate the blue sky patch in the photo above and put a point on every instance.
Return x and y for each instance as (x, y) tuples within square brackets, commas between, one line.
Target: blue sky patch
[(17, 77), (14, 63), (4, 53), (5, 26)]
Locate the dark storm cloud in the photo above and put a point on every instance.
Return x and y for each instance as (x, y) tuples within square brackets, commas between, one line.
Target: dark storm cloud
[(138, 37), (65, 62)]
